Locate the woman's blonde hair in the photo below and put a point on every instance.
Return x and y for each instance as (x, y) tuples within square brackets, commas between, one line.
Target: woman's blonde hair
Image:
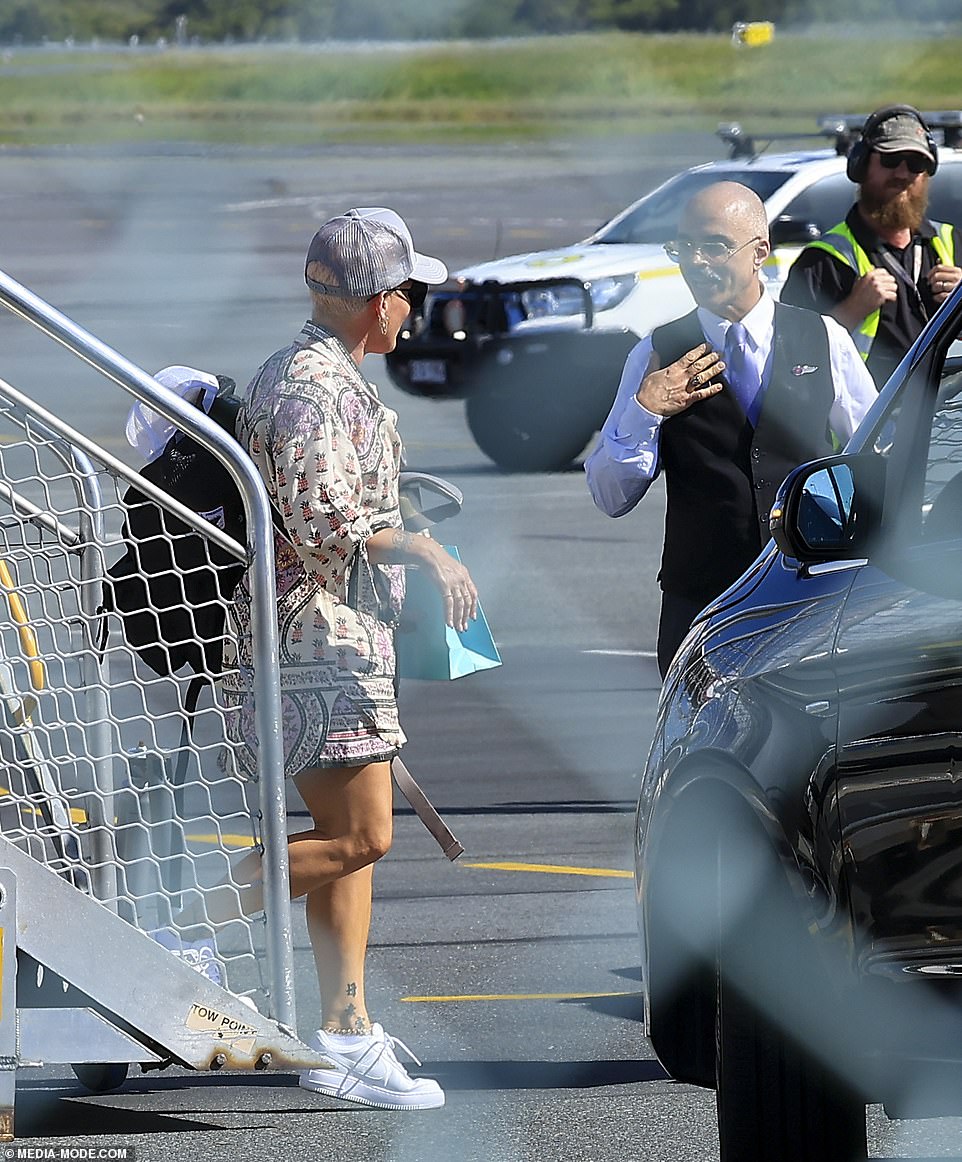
[(332, 309)]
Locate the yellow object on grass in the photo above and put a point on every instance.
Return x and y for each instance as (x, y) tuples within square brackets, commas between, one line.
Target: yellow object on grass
[(752, 33)]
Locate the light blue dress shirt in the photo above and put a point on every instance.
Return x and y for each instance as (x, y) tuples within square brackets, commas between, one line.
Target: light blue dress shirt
[(625, 460)]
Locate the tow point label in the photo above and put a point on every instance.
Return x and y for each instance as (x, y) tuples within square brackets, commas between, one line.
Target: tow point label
[(204, 1020)]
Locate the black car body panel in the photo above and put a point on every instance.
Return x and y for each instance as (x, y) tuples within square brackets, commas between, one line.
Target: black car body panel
[(815, 710)]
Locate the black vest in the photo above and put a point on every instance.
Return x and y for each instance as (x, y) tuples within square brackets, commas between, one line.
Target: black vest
[(721, 473)]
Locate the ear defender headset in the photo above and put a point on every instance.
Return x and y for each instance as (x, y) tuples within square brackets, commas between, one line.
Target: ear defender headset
[(857, 165)]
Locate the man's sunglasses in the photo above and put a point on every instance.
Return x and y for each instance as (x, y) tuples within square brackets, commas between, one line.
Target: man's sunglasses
[(916, 162), (414, 294)]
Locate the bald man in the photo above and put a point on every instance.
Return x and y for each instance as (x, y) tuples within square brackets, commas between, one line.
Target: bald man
[(726, 401)]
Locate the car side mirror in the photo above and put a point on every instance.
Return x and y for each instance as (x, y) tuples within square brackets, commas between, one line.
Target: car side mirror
[(788, 230), (416, 489), (830, 509)]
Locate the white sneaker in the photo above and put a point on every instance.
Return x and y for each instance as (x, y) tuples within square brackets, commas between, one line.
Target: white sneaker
[(369, 1073)]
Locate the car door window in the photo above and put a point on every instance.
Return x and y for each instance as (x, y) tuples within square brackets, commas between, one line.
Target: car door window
[(825, 202), (942, 491), (945, 194), (929, 500), (655, 217)]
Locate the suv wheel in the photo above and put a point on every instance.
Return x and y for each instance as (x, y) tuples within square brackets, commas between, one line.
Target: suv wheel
[(522, 430)]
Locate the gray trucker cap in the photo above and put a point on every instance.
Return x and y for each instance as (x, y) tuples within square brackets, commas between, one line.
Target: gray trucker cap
[(366, 251)]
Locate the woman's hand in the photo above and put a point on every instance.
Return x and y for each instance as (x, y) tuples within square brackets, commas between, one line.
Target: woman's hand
[(453, 581)]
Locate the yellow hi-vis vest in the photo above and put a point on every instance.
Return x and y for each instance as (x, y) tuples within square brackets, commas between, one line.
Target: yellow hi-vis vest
[(840, 243)]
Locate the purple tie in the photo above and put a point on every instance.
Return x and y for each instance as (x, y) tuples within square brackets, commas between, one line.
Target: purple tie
[(741, 372)]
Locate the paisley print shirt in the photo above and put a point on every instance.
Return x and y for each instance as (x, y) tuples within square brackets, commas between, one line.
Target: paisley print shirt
[(329, 453)]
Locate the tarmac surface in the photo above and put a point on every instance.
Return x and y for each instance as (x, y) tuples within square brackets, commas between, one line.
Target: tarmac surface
[(514, 972)]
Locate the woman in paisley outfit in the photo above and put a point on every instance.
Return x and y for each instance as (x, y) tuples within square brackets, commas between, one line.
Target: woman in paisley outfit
[(330, 454)]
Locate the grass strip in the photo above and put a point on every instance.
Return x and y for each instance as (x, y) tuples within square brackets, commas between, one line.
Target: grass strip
[(541, 86)]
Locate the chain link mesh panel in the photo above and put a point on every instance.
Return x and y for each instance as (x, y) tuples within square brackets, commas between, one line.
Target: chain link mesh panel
[(99, 777)]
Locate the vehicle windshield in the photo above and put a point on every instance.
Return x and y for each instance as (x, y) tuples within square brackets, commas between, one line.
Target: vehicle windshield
[(655, 218)]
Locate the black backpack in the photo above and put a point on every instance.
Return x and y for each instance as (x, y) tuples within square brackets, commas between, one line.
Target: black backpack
[(169, 587)]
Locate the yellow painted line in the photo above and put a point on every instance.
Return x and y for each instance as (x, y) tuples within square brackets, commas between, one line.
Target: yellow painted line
[(526, 997), (229, 840), (555, 869), (79, 816)]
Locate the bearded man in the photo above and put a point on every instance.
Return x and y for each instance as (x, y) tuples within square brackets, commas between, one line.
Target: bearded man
[(885, 270)]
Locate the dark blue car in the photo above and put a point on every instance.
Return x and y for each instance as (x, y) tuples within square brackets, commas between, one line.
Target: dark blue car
[(799, 826)]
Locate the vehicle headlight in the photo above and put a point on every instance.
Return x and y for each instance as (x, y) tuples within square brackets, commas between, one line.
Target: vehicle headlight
[(552, 301), (562, 300), (609, 292)]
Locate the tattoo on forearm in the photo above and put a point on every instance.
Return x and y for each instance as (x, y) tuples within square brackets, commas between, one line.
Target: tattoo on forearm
[(351, 989), (401, 541)]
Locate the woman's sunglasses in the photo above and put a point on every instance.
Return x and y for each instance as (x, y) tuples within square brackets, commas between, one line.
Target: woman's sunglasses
[(414, 294), (915, 161)]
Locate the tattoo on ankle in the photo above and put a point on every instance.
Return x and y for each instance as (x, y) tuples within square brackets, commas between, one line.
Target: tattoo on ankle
[(352, 1023)]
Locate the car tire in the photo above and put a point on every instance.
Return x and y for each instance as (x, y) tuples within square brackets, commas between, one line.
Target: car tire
[(773, 1100), (523, 432), (775, 1096)]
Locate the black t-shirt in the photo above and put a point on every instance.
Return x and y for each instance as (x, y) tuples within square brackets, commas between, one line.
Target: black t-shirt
[(819, 281)]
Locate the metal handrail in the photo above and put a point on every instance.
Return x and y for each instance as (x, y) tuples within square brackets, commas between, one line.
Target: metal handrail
[(23, 303)]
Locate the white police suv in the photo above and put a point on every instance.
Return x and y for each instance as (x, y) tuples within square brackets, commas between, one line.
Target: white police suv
[(535, 343)]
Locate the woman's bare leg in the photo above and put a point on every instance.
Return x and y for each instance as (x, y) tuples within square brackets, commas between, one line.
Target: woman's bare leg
[(351, 811), (338, 923), (333, 864)]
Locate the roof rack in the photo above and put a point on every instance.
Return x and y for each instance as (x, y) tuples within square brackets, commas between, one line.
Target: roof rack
[(843, 128), (748, 147), (944, 124)]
